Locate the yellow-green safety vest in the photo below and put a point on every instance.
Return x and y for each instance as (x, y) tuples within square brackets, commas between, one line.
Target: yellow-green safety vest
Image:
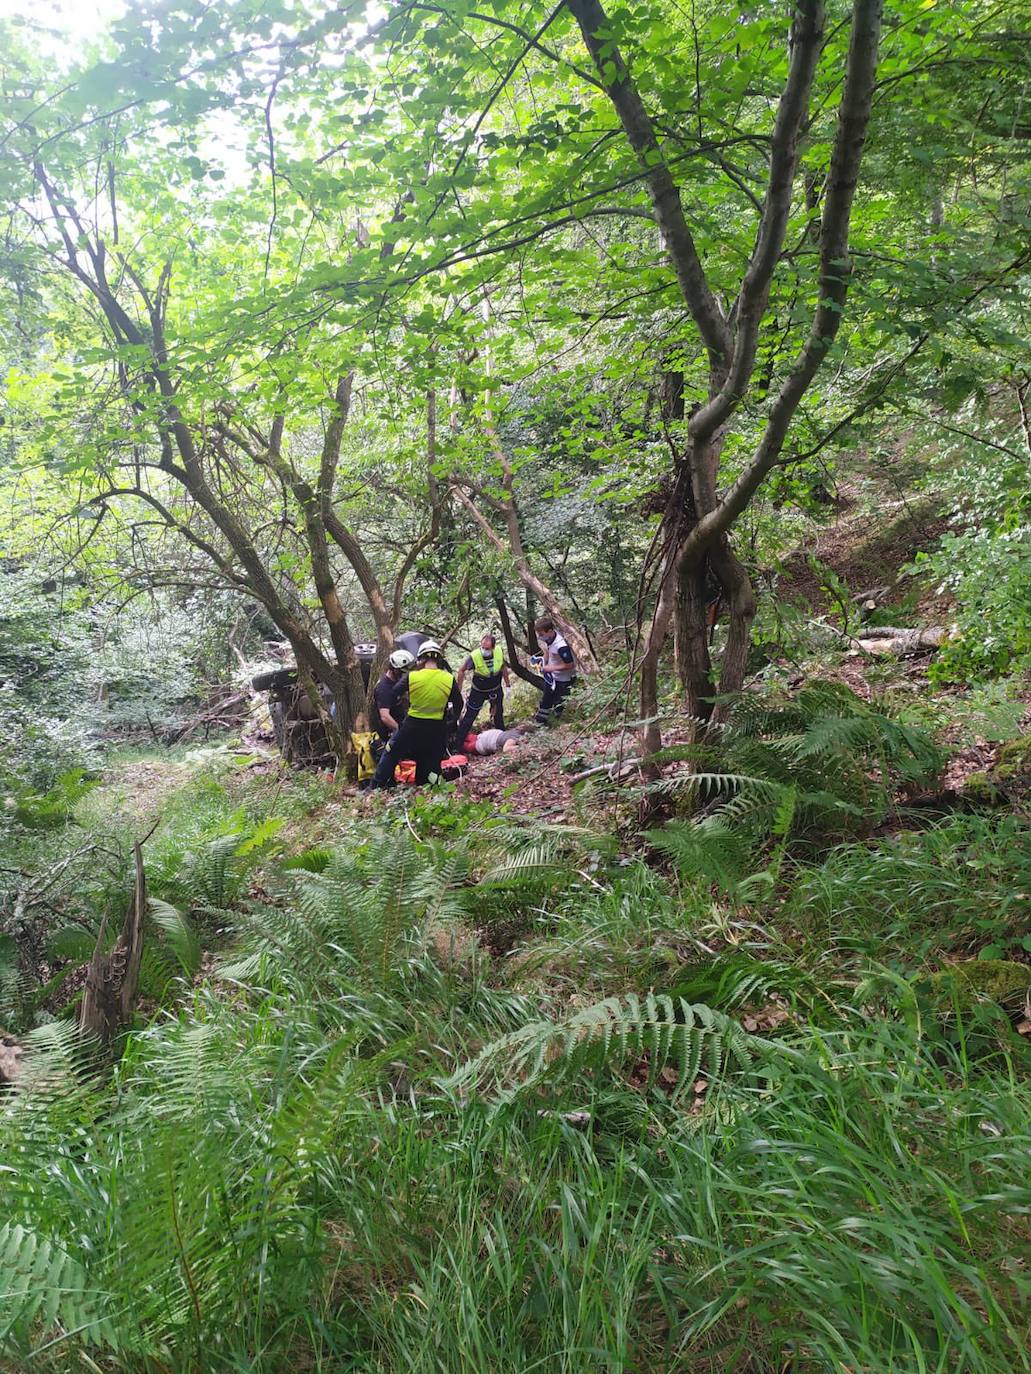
[(428, 693), (480, 663)]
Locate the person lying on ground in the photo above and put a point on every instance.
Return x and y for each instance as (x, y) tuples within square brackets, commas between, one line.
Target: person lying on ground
[(496, 741)]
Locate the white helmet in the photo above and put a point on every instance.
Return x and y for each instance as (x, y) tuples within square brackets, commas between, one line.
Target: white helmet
[(429, 648), (401, 659)]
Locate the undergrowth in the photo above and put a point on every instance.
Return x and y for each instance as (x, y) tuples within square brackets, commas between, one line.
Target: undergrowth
[(462, 1094)]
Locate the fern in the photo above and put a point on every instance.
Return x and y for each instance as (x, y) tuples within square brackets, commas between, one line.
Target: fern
[(39, 1282), (179, 935), (212, 875), (710, 850), (822, 762), (310, 860), (735, 977), (362, 916), (603, 1036), (532, 861)]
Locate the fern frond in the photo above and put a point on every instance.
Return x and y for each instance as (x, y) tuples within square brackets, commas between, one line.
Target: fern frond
[(42, 1285), (709, 850), (601, 1038), (179, 934), (533, 860)]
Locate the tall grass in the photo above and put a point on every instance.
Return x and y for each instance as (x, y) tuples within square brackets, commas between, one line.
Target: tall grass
[(956, 887), (369, 1145)]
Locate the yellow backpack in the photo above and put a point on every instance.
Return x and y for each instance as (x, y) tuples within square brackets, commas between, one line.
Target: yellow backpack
[(362, 741)]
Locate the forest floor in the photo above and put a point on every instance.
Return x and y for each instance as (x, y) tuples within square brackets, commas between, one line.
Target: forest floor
[(871, 554), (293, 909)]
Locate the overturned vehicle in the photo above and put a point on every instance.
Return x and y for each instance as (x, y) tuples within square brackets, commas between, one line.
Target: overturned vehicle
[(296, 723)]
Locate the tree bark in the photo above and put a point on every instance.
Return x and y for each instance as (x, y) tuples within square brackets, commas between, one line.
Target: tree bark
[(512, 648), (697, 525), (896, 643)]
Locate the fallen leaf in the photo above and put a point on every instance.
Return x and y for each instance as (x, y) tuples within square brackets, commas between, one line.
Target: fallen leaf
[(701, 1085)]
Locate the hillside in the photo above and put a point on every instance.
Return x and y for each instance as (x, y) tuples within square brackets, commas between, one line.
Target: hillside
[(633, 399)]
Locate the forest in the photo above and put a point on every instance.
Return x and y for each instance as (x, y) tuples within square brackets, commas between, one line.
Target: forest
[(515, 687)]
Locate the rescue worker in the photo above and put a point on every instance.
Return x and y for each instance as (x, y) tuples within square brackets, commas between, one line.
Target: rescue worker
[(423, 733), (388, 709), (490, 682), (558, 668)]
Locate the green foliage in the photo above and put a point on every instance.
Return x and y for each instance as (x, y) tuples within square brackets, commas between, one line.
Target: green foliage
[(998, 980), (40, 1280), (821, 763), (356, 1109), (468, 1092), (661, 1030), (736, 977), (76, 670), (56, 806), (956, 887), (983, 561), (987, 571)]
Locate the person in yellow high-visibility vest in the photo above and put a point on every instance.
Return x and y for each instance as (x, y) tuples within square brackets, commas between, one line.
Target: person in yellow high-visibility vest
[(423, 732), (490, 682)]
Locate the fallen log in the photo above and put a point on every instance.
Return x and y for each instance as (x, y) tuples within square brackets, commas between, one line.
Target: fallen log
[(225, 713), (897, 631), (888, 640), (616, 769), (873, 594)]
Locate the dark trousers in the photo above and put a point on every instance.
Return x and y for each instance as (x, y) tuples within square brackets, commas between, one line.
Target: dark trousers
[(474, 706), (553, 701), (425, 741)]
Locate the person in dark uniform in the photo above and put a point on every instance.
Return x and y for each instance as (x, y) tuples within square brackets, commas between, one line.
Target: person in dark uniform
[(490, 680), (423, 733), (558, 668), (388, 705)]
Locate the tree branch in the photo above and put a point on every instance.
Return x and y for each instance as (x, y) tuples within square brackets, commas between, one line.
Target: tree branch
[(835, 271), (665, 197), (750, 306)]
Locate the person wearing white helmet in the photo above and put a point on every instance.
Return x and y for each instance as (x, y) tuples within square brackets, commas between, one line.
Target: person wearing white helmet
[(423, 733), (388, 706)]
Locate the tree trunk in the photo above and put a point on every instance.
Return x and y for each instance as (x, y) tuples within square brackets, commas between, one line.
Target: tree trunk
[(651, 732), (691, 641), (512, 649), (740, 596)]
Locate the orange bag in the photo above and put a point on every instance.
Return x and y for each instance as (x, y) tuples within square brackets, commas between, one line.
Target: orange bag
[(452, 767)]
